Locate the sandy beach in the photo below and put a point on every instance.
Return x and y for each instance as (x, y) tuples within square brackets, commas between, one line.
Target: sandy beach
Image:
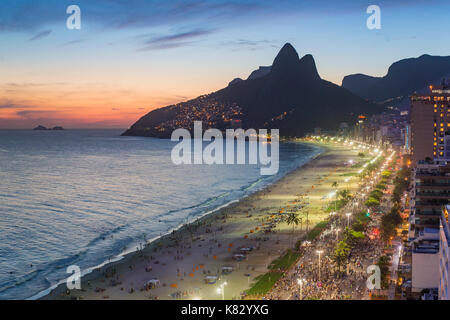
[(180, 262)]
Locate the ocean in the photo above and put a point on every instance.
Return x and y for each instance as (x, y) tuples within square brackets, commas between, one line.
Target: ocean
[(82, 197)]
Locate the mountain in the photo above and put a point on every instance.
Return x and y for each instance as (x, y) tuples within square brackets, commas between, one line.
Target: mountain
[(403, 78), (291, 97), (261, 72), (40, 127)]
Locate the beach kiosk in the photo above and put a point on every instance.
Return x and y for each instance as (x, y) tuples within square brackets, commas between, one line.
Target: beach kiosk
[(211, 279), (245, 250), (227, 270), (239, 257)]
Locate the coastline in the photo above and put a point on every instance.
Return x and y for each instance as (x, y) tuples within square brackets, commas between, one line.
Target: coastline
[(181, 259)]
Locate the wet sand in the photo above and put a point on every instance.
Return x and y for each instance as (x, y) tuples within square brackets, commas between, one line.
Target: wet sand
[(182, 260)]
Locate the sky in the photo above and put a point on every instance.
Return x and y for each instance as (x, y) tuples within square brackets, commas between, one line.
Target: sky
[(132, 56)]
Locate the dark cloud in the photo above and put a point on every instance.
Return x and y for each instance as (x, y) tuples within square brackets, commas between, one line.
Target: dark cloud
[(40, 35), (32, 113), (9, 105), (31, 15), (252, 45), (174, 40)]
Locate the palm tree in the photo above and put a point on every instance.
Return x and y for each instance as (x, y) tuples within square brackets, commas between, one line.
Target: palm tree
[(341, 252), (335, 185), (293, 219), (344, 194)]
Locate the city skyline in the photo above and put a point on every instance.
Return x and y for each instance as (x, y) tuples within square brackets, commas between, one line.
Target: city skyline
[(131, 57)]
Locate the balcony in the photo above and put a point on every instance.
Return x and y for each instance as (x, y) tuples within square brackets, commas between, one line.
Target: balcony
[(431, 203), (428, 194), (432, 184)]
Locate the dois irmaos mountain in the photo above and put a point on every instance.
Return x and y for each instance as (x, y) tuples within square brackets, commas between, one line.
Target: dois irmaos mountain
[(289, 95)]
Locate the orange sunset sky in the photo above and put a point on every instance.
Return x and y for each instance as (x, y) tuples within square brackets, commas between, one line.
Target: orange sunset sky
[(132, 56)]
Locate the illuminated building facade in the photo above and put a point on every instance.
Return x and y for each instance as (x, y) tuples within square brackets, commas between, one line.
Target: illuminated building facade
[(430, 124)]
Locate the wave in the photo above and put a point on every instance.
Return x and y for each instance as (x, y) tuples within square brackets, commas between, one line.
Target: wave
[(43, 270), (196, 211), (105, 235)]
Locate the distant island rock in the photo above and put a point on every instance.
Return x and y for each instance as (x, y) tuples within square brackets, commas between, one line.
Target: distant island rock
[(57, 128), (40, 128)]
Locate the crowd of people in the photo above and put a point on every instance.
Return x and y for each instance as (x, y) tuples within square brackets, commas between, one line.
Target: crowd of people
[(332, 282)]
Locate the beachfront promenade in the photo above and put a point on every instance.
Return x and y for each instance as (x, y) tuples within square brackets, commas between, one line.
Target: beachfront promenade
[(184, 264), (306, 281)]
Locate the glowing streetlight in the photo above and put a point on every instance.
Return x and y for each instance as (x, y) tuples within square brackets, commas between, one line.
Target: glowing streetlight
[(221, 290), (300, 283), (348, 218), (319, 252)]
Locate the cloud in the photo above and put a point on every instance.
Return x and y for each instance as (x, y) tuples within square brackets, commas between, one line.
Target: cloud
[(174, 40), (40, 35), (9, 105), (73, 42), (30, 113), (252, 45), (32, 15)]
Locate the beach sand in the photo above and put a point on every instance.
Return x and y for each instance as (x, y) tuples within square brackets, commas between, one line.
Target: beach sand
[(182, 260)]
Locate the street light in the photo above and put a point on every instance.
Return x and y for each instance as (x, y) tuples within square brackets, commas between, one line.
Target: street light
[(348, 218), (221, 290), (319, 252), (300, 283)]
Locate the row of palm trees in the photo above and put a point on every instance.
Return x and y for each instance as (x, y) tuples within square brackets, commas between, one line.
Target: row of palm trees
[(294, 219)]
